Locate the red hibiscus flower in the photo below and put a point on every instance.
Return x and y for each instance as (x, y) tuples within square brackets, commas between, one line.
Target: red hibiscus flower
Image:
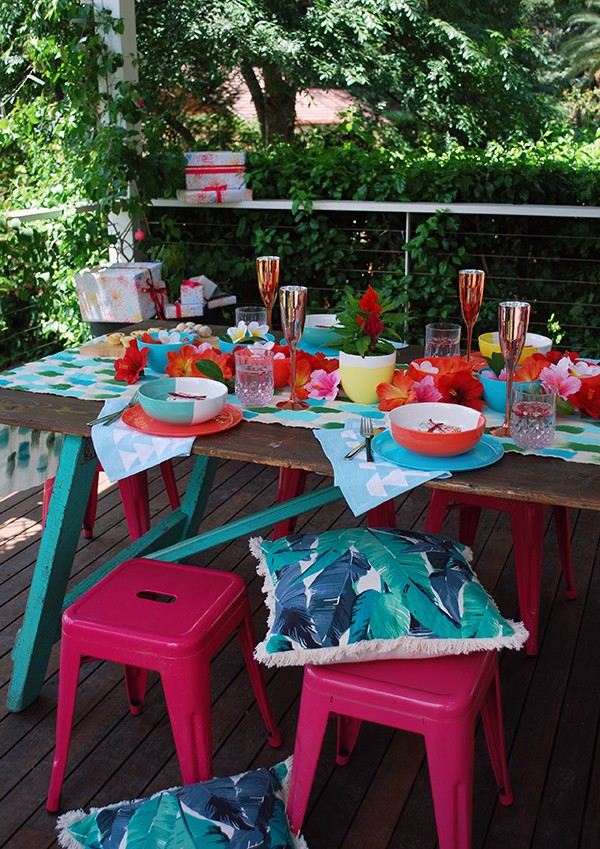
[(131, 366), (461, 388), (328, 364), (587, 397), (303, 372), (554, 356), (398, 393)]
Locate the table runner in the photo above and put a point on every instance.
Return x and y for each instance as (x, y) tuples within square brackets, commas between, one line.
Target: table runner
[(73, 373)]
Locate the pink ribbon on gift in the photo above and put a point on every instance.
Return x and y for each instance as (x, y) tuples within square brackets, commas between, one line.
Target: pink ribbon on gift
[(159, 294), (215, 169), (191, 283)]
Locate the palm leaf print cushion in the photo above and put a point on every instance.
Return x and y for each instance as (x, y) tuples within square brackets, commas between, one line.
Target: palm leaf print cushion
[(361, 593), (239, 812)]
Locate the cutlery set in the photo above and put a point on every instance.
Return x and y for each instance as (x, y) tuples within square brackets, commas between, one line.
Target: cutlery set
[(112, 417), (367, 431)]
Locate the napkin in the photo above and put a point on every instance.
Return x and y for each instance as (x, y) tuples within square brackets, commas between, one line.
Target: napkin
[(124, 451), (366, 485)]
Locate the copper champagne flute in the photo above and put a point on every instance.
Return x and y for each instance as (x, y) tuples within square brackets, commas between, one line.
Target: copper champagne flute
[(470, 289), (267, 271), (292, 304), (513, 321)]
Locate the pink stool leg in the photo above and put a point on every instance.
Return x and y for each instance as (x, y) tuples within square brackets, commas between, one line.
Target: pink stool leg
[(312, 722), (46, 496), (450, 762), (527, 521), (134, 494), (89, 517), (168, 475), (348, 728), (383, 516), (491, 715), (436, 512), (291, 484), (136, 679), (67, 691), (248, 642), (563, 537), (187, 693)]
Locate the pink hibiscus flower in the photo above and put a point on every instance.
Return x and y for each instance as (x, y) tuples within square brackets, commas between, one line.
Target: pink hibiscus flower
[(426, 390), (559, 375), (322, 385)]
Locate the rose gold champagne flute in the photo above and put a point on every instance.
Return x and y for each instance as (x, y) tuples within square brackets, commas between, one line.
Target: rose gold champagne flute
[(292, 304), (267, 271), (513, 321), (470, 288)]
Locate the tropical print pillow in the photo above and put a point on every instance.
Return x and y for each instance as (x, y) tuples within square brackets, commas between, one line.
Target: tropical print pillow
[(362, 593), (245, 811)]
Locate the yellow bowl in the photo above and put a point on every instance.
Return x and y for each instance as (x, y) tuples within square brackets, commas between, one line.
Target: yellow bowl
[(534, 344)]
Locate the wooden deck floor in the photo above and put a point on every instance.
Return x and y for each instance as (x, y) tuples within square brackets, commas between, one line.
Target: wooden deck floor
[(381, 799)]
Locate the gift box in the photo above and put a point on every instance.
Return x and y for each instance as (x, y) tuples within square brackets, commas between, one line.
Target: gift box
[(224, 169), (179, 310), (219, 194), (196, 290), (121, 292)]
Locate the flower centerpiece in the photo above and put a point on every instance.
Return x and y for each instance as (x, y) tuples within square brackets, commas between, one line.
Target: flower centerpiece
[(369, 325), (576, 381), (446, 379)]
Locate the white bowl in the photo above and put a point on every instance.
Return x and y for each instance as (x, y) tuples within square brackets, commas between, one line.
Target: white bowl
[(319, 330), (159, 404)]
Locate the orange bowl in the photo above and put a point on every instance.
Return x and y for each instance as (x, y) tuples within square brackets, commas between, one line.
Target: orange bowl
[(409, 428)]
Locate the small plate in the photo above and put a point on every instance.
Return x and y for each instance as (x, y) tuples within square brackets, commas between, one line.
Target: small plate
[(487, 451), (136, 418)]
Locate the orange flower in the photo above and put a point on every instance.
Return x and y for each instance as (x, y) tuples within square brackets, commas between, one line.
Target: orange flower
[(398, 393), (224, 361), (531, 368), (148, 340), (461, 388), (131, 366), (444, 365), (181, 362), (303, 372), (328, 364)]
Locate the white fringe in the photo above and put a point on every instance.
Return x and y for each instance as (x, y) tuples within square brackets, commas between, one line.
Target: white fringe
[(402, 648), (65, 838)]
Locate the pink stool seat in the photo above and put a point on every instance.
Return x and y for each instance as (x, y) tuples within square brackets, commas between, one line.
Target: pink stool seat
[(438, 697), (147, 614)]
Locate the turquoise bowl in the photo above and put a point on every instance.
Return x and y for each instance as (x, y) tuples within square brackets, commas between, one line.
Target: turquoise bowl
[(227, 347), (157, 354), (157, 402), (494, 391)]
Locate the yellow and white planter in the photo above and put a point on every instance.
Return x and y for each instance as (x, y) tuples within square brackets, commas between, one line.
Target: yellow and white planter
[(360, 376)]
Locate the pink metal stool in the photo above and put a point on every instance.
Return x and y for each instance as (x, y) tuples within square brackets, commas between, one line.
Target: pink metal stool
[(527, 524), (134, 493), (148, 614), (438, 697)]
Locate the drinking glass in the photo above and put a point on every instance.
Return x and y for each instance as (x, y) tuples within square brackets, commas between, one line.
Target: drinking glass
[(442, 339), (513, 321), (267, 271), (533, 417), (254, 385), (292, 303), (248, 314), (470, 289)]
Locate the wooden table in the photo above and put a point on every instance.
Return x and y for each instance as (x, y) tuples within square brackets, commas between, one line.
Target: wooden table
[(535, 481)]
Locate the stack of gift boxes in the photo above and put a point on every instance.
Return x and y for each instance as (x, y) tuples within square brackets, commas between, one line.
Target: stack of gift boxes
[(215, 177), (196, 295)]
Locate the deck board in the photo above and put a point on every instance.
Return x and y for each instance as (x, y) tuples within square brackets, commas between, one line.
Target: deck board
[(381, 800)]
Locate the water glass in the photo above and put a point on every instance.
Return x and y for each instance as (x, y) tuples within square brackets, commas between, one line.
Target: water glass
[(442, 340), (533, 417), (254, 384), (248, 314)]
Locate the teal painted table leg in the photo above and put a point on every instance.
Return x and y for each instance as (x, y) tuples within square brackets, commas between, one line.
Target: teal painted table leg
[(57, 549)]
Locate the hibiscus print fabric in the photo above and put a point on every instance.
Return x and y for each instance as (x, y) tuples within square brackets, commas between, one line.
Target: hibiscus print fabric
[(361, 594)]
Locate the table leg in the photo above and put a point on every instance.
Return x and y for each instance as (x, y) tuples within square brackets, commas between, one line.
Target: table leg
[(40, 627), (527, 522)]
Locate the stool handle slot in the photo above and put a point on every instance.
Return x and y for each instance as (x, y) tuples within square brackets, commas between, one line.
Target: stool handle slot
[(150, 595)]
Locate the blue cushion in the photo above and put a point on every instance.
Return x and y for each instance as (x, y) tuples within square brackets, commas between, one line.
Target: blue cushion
[(362, 593), (245, 811)]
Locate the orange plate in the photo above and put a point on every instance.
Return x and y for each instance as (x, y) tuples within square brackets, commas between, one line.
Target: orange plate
[(136, 418)]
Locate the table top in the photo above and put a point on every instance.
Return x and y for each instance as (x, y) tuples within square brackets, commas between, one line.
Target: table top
[(542, 479)]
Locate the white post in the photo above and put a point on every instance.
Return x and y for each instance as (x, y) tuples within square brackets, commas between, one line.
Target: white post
[(125, 44)]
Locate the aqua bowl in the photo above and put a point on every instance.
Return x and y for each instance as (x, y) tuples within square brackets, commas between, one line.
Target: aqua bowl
[(227, 347), (494, 391), (158, 359)]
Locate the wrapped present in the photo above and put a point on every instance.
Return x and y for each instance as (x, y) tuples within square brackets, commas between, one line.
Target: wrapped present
[(195, 286), (215, 169), (179, 310), (218, 194), (121, 292)]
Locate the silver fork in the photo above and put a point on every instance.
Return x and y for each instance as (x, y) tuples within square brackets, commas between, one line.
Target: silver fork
[(112, 417), (368, 432)]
